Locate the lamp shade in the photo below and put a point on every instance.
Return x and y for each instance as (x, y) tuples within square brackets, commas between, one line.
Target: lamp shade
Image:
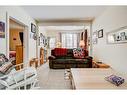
[(82, 44), (58, 44)]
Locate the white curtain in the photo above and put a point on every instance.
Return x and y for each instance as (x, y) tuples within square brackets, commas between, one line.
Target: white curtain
[(52, 42), (70, 40)]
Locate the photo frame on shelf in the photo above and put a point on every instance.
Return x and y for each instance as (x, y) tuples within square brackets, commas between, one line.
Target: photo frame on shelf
[(33, 28), (94, 40), (2, 29), (100, 33), (117, 36)]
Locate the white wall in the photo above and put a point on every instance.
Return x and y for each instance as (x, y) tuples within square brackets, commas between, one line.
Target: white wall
[(19, 14), (112, 54), (2, 40)]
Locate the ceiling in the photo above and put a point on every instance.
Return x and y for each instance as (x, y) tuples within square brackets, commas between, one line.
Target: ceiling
[(64, 28), (64, 13)]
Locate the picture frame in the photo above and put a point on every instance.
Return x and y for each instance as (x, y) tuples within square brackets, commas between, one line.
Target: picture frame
[(2, 29), (117, 36), (100, 33), (33, 28), (41, 38), (35, 36), (94, 40)]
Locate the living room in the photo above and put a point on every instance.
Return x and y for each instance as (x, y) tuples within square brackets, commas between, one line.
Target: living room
[(62, 47)]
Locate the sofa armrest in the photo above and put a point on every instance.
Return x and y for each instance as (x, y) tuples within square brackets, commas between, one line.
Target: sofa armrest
[(51, 57), (89, 57)]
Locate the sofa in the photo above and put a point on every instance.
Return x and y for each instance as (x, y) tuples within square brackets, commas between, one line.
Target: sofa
[(66, 61)]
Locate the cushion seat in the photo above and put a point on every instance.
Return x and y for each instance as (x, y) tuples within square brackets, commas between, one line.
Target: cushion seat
[(71, 61)]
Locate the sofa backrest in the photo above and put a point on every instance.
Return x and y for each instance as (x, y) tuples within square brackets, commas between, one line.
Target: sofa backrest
[(68, 55)]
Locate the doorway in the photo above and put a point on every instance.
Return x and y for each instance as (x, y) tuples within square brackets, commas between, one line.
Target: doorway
[(16, 41)]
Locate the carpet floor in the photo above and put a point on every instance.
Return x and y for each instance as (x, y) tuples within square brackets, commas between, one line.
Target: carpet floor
[(52, 78)]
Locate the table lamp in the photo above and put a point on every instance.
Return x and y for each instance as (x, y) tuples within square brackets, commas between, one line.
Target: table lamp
[(58, 44)]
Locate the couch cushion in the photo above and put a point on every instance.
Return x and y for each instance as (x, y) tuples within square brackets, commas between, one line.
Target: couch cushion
[(69, 52), (60, 51), (78, 53), (71, 61), (85, 61)]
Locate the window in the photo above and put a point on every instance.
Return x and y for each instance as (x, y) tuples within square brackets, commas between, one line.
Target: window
[(70, 40), (52, 42)]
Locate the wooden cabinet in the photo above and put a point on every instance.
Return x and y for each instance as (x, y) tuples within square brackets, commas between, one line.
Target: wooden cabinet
[(41, 56), (19, 55)]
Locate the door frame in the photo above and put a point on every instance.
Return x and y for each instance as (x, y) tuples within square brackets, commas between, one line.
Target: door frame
[(25, 40)]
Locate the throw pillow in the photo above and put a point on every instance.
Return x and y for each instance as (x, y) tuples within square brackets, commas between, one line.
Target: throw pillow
[(60, 51), (78, 53), (2, 61), (5, 67), (4, 57)]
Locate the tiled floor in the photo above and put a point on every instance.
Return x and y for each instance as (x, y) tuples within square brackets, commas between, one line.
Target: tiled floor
[(52, 78)]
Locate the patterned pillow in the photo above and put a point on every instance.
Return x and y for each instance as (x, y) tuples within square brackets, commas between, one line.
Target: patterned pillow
[(5, 67), (2, 61), (78, 53), (4, 57)]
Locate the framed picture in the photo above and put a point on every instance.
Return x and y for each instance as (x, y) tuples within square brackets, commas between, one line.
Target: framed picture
[(94, 40), (100, 33), (117, 36), (2, 29), (41, 38), (33, 28), (35, 36)]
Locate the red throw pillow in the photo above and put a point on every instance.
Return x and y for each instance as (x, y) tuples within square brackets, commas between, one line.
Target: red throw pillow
[(78, 53), (60, 51)]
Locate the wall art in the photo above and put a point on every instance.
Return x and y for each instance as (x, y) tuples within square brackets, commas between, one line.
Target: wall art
[(117, 36), (100, 33), (33, 28), (94, 38), (2, 29)]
